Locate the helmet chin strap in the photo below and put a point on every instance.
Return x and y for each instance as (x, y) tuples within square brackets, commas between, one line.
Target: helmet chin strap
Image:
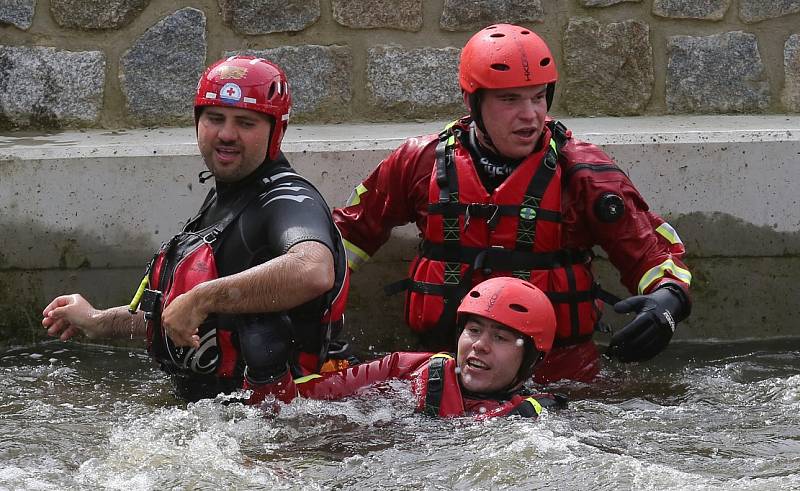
[(526, 369), (477, 117)]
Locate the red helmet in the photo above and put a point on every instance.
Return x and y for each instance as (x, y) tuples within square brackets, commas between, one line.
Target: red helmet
[(249, 83), (516, 304), (502, 56)]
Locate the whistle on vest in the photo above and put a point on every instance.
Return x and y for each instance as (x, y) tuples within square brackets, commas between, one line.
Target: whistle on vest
[(609, 207)]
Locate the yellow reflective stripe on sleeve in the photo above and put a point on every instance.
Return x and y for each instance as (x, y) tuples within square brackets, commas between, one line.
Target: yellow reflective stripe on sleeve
[(355, 197), (355, 255), (659, 272), (665, 230), (536, 406), (442, 355), (305, 379)]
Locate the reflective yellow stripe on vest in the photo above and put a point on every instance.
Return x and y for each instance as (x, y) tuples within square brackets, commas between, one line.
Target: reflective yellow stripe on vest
[(302, 380), (536, 406), (442, 355), (355, 255), (658, 272)]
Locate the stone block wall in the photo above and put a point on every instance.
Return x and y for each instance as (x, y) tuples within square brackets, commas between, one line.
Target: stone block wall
[(135, 63)]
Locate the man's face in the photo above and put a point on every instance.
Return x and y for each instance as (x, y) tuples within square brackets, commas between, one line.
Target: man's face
[(489, 355), (233, 141), (514, 118)]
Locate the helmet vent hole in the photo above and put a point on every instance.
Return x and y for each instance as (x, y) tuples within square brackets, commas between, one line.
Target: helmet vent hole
[(474, 294), (518, 308), (525, 32), (500, 67), (272, 88), (497, 35), (544, 62)]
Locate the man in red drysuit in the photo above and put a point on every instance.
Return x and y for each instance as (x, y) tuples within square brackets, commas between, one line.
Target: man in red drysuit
[(507, 191)]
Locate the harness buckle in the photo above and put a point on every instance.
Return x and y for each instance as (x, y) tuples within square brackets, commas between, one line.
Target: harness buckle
[(551, 159), (210, 237), (480, 260), (490, 212), (492, 221)]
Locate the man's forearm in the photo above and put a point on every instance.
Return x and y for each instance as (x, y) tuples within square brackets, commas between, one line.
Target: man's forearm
[(300, 275), (117, 323)]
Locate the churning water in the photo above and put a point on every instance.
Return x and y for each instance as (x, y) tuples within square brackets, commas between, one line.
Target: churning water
[(700, 416)]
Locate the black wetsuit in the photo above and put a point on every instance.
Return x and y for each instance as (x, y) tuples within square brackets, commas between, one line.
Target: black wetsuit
[(287, 211)]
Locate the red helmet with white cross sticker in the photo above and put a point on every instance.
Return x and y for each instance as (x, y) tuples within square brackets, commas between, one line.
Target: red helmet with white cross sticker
[(250, 83)]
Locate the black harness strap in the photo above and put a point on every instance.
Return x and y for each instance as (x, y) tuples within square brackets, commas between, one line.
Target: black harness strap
[(573, 304), (529, 211), (501, 259), (433, 396), (532, 201), (447, 179), (489, 212)]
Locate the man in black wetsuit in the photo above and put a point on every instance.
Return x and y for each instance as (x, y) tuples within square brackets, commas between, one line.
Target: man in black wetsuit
[(249, 294)]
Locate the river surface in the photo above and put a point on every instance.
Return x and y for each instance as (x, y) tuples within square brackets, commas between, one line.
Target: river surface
[(701, 416)]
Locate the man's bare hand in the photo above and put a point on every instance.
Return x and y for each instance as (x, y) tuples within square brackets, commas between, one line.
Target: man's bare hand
[(182, 318), (69, 315)]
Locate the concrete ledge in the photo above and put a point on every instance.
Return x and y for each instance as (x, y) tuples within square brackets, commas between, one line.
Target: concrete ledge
[(97, 203)]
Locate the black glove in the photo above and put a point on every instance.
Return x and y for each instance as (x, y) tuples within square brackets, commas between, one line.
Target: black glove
[(650, 332)]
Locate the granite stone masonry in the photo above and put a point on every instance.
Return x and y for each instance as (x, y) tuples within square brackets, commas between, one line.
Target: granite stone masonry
[(393, 14), (266, 16), (319, 76), (159, 74), (91, 14), (691, 9), (603, 3), (469, 15), (413, 81), (18, 13), (722, 73), (50, 88), (395, 60), (614, 60), (757, 10)]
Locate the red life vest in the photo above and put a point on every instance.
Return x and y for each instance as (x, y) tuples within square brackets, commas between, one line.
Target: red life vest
[(187, 260), (472, 235), (183, 262), (439, 394)]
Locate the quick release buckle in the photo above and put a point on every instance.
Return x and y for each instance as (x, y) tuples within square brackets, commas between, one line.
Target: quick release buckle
[(482, 210), (210, 237)]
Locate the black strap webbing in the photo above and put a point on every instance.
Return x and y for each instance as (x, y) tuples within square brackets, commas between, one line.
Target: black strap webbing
[(433, 397), (487, 211), (500, 259)]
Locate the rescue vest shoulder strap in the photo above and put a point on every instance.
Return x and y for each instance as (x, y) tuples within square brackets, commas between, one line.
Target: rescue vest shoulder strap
[(436, 376)]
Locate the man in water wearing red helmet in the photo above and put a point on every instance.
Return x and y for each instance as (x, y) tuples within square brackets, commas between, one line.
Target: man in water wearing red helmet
[(249, 293), (506, 191), (506, 327)]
